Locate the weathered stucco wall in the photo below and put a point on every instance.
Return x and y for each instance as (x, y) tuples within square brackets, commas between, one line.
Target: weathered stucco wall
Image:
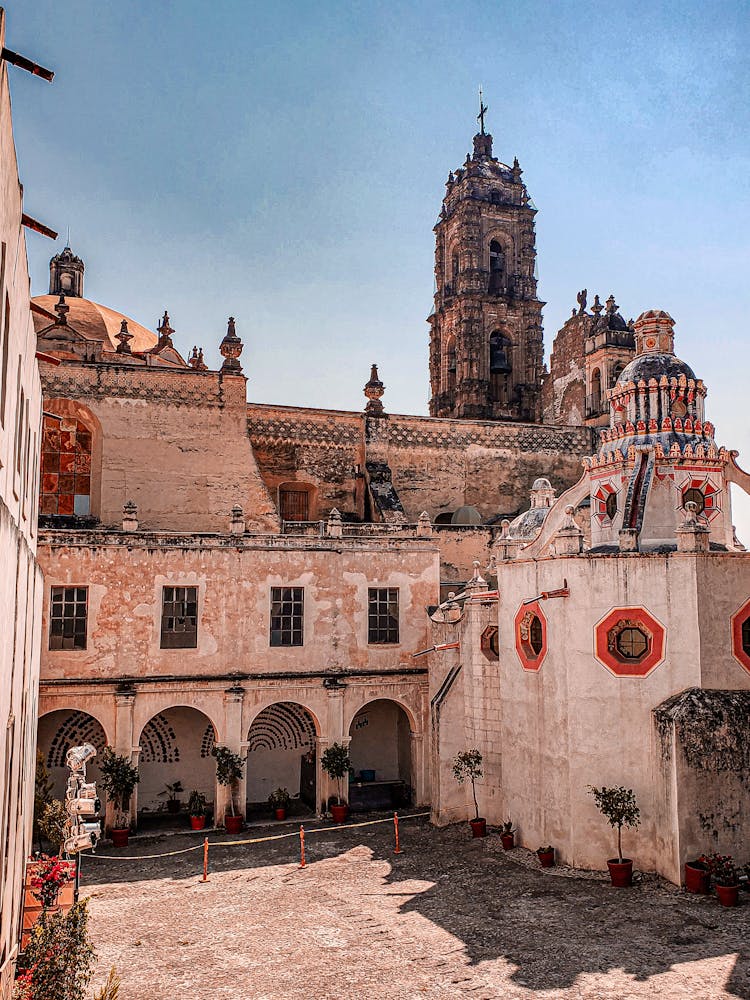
[(174, 442)]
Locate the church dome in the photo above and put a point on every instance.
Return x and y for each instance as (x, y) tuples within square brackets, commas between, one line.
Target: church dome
[(528, 525), (466, 515), (646, 366), (95, 322)]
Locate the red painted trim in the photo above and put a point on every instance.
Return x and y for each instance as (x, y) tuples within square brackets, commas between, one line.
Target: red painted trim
[(613, 663), (529, 659), (736, 623)]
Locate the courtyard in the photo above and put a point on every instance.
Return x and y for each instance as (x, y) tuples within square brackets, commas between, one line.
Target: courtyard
[(448, 917)]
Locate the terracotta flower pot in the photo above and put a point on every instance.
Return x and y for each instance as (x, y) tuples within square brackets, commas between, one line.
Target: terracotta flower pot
[(728, 894), (119, 837), (233, 824), (280, 813), (508, 840), (339, 813), (620, 872), (478, 827), (697, 878), (546, 858), (197, 822)]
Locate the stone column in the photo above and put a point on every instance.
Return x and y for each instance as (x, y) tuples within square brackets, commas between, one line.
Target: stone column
[(233, 739), (124, 740), (417, 767)]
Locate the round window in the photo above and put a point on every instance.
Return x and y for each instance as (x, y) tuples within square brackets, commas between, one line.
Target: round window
[(536, 639), (632, 643), (611, 505), (697, 498)]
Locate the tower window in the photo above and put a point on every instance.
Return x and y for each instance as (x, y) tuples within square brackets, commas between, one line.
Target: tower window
[(697, 498), (497, 268), (499, 350), (610, 505), (595, 402), (449, 376)]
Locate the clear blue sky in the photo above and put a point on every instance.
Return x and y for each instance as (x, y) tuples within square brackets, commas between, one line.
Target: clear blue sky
[(285, 163)]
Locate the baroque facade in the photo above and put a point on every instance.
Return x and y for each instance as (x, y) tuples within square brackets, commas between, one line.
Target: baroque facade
[(274, 578)]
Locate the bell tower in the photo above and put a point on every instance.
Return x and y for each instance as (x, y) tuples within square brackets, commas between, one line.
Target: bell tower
[(486, 325)]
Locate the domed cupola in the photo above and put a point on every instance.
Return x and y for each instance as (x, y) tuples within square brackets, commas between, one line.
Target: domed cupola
[(527, 525), (66, 274)]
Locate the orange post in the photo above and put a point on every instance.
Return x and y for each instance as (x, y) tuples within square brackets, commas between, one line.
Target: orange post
[(205, 860), (397, 849), (302, 847)]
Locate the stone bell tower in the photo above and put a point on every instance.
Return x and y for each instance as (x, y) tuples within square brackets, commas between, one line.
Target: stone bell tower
[(486, 326), (66, 274)]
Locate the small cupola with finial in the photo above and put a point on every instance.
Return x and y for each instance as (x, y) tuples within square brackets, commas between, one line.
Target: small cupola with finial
[(374, 390), (66, 274)]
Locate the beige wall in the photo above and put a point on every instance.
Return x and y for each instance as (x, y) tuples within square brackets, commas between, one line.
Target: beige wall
[(20, 581)]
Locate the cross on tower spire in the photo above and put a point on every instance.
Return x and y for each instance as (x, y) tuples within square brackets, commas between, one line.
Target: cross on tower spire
[(482, 109)]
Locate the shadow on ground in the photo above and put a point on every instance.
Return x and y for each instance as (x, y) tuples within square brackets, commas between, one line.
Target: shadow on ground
[(550, 928)]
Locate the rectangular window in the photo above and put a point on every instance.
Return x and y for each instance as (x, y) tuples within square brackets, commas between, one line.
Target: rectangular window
[(294, 505), (382, 615), (287, 615), (179, 618), (67, 620)]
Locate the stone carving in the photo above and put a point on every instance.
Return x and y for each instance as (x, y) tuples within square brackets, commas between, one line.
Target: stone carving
[(581, 300), (374, 390), (124, 338)]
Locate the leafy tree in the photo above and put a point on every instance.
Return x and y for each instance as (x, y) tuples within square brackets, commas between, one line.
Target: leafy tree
[(619, 807), (52, 824), (337, 764), (229, 768), (468, 764), (119, 778)]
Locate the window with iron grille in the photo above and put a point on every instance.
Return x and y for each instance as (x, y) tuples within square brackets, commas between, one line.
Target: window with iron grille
[(295, 505), (179, 618), (382, 617), (287, 616), (67, 625)]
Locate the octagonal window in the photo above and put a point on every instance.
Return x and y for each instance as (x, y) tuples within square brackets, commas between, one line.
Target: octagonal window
[(536, 637), (697, 498), (531, 635), (610, 505), (632, 643), (490, 642)]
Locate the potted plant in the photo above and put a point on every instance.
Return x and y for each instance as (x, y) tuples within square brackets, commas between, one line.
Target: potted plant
[(50, 875), (229, 768), (172, 791), (697, 876), (725, 877), (197, 809), (508, 835), (337, 765), (119, 778), (468, 765), (619, 807), (279, 801), (546, 856)]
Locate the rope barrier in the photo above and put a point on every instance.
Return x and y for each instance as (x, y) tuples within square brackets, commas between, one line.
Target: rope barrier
[(253, 840)]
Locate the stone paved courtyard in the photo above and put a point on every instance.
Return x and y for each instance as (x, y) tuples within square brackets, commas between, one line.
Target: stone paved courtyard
[(450, 917)]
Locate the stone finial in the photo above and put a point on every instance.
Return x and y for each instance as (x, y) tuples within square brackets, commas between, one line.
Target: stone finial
[(424, 525), (374, 390), (516, 170), (237, 521), (231, 348), (334, 525), (124, 337), (654, 332), (477, 581), (568, 540), (130, 516), (165, 332), (611, 305), (692, 536), (62, 310), (597, 307), (196, 360)]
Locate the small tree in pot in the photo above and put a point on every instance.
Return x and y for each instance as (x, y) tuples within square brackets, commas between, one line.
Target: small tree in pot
[(197, 809), (279, 801), (337, 764), (619, 807), (468, 765), (119, 778), (229, 768)]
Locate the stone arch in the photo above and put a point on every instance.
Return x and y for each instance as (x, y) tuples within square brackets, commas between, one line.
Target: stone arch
[(449, 364), (381, 752), (81, 454), (281, 752), (62, 728), (175, 745)]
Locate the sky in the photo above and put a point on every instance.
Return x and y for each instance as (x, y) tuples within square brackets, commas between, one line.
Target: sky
[(285, 163)]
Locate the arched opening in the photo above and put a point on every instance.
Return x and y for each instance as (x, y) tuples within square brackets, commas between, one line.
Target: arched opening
[(380, 753), (176, 748), (595, 399), (449, 361), (497, 269), (500, 367), (616, 372), (281, 754), (297, 501), (455, 268), (66, 466), (57, 732)]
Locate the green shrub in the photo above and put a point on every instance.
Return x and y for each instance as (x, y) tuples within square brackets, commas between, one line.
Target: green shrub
[(619, 808), (58, 961)]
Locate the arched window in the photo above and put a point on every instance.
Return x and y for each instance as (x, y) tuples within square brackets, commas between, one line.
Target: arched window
[(500, 367), (595, 401), (497, 268), (616, 372), (449, 378), (455, 268), (66, 466)]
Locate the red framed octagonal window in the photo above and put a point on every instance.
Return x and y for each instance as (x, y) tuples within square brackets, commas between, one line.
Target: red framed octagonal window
[(629, 642), (741, 635), (531, 635)]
